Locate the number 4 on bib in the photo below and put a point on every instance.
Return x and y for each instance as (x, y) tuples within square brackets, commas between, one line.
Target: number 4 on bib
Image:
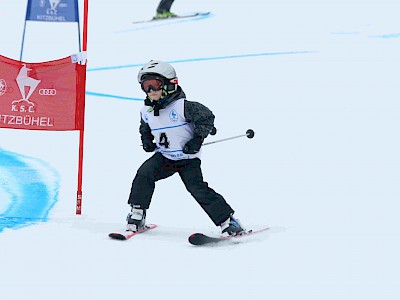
[(164, 140)]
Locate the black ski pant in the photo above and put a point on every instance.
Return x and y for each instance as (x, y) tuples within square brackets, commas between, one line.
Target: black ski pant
[(158, 167), (164, 6)]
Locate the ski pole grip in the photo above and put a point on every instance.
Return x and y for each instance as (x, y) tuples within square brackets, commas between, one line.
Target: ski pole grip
[(250, 133)]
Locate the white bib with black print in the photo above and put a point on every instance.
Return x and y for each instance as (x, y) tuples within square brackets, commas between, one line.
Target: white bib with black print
[(170, 129)]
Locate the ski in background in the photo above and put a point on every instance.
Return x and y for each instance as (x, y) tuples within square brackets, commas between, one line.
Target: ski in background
[(183, 16)]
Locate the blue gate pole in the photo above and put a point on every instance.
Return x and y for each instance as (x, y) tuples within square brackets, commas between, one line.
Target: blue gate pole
[(28, 9), (79, 27)]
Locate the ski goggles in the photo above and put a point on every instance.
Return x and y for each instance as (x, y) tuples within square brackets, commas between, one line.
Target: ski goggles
[(152, 84)]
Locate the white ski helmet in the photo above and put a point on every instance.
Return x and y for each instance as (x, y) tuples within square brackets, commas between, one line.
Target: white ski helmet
[(157, 67)]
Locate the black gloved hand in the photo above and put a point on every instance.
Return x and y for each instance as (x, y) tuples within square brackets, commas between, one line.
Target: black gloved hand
[(148, 145), (193, 146)]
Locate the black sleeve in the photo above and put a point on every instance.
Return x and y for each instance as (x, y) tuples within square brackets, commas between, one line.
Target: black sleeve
[(200, 116), (145, 130)]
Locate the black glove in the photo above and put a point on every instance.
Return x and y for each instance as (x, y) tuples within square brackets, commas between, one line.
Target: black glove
[(193, 146), (148, 145)]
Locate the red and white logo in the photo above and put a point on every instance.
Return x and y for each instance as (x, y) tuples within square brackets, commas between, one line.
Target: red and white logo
[(41, 96), (26, 85)]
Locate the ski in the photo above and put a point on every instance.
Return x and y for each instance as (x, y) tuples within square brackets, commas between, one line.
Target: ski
[(127, 234), (191, 15), (200, 239)]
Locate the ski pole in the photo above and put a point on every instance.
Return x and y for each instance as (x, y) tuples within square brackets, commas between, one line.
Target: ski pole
[(249, 134)]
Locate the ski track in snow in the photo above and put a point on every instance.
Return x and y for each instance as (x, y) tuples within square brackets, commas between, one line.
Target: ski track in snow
[(28, 190)]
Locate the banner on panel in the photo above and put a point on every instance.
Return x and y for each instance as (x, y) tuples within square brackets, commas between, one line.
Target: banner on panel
[(42, 96), (52, 11)]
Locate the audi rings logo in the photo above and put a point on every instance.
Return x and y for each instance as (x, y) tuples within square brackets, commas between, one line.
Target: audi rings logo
[(3, 87), (47, 92)]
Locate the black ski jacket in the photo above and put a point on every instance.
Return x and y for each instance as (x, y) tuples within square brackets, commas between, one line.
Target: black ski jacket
[(196, 113)]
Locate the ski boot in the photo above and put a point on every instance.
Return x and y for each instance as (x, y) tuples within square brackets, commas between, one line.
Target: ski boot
[(232, 227), (164, 15), (136, 219)]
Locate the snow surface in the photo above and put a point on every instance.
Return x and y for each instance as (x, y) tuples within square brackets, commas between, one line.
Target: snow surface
[(318, 81)]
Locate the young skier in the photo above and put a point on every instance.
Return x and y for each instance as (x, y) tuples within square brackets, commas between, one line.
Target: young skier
[(175, 129)]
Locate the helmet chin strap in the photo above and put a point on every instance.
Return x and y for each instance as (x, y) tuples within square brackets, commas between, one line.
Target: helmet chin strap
[(156, 107)]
